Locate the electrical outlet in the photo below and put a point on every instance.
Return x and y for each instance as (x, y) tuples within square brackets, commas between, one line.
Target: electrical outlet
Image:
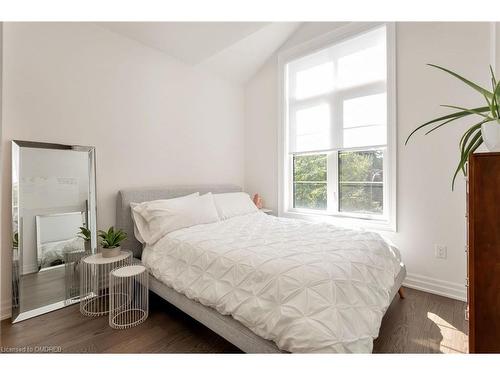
[(440, 251)]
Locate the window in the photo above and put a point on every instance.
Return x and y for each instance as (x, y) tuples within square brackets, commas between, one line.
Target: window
[(309, 181), (338, 136)]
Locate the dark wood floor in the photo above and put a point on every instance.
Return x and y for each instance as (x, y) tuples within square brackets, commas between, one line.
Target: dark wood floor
[(421, 323), (42, 288)]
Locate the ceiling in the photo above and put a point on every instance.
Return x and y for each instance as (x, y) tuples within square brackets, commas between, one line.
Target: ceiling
[(233, 50)]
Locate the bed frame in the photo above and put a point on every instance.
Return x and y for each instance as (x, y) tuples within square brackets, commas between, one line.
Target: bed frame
[(224, 325)]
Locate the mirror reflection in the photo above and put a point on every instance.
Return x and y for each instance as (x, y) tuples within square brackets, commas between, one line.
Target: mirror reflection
[(53, 191)]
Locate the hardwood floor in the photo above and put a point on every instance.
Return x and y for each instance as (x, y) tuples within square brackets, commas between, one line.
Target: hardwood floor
[(421, 323), (42, 288)]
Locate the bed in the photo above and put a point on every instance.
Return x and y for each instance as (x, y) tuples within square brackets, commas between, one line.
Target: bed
[(56, 234), (237, 319)]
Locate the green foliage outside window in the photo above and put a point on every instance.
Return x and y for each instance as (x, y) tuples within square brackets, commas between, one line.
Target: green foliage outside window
[(360, 181), (309, 172)]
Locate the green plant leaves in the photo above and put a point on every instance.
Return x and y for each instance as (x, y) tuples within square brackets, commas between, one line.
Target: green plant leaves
[(494, 102), (112, 238), (84, 233), (466, 81), (450, 117), (469, 132), (471, 111), (466, 150), (472, 138)]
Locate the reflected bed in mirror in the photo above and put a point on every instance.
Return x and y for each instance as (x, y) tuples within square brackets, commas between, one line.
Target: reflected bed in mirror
[(57, 235), (53, 198)]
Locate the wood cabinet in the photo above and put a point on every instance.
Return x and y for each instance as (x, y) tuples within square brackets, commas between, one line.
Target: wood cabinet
[(483, 266)]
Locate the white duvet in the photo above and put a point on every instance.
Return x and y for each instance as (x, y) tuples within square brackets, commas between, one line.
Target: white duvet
[(309, 287)]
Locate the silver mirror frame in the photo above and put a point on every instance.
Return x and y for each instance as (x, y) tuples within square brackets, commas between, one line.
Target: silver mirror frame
[(17, 315)]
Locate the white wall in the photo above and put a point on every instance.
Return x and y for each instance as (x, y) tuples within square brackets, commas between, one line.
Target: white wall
[(153, 120), (261, 142), (494, 49), (428, 212)]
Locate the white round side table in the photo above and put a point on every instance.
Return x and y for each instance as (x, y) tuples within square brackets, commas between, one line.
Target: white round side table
[(72, 260), (128, 296), (94, 281)]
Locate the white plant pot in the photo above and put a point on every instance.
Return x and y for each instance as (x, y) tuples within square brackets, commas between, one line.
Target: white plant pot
[(491, 135), (110, 253)]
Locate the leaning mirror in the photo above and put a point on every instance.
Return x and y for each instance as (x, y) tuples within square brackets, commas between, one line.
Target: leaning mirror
[(53, 224)]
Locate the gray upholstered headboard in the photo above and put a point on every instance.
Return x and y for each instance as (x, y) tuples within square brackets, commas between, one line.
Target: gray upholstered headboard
[(125, 197)]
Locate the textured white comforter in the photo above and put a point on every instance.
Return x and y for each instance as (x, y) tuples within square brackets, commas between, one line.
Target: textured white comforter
[(309, 287)]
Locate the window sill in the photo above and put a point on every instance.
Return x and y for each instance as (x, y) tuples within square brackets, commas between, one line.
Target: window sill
[(346, 221)]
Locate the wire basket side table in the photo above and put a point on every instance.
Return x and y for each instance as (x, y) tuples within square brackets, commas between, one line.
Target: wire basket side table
[(94, 281), (72, 260), (128, 296)]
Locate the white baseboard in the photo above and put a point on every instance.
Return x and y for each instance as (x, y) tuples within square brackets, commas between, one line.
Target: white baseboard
[(436, 286)]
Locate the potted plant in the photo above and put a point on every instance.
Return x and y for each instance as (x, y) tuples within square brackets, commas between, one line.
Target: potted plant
[(487, 130), (110, 242), (85, 235)]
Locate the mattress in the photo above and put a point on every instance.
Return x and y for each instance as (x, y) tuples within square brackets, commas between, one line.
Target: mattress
[(308, 287)]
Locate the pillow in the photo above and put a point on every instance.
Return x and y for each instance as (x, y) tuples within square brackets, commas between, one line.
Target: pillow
[(234, 204), (140, 224), (138, 221), (158, 218)]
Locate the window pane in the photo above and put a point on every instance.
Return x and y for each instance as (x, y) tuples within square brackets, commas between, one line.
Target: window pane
[(314, 81), (309, 181), (361, 67), (361, 187), (365, 110), (365, 136), (312, 128)]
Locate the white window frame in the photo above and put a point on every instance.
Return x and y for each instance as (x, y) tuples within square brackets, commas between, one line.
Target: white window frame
[(285, 184)]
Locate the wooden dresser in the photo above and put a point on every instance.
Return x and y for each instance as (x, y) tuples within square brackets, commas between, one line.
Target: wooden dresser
[(483, 252)]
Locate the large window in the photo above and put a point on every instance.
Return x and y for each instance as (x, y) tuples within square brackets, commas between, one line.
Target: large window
[(338, 127)]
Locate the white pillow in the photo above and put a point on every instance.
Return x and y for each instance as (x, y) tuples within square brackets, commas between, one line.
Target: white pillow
[(140, 224), (137, 219), (234, 204), (162, 217)]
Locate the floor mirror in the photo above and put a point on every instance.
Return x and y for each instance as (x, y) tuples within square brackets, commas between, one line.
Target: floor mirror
[(53, 224)]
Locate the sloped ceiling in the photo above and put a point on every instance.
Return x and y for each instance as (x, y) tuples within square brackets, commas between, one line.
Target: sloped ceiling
[(233, 50)]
